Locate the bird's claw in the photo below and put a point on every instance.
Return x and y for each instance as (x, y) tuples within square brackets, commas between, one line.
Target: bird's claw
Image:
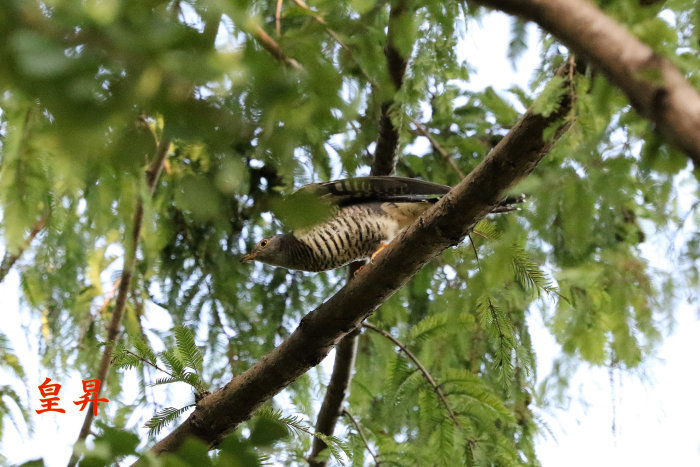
[(374, 255)]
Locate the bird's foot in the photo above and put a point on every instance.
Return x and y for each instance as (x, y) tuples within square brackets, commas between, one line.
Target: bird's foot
[(374, 255), (371, 258)]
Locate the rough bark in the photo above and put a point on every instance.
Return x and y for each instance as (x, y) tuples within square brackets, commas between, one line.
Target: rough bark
[(442, 226), (654, 86)]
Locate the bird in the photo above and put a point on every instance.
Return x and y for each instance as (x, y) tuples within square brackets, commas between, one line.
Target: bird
[(364, 215)]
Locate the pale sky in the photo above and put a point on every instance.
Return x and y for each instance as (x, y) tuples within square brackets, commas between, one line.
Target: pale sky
[(656, 408)]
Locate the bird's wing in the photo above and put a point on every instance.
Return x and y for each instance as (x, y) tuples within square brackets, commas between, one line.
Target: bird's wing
[(363, 189)]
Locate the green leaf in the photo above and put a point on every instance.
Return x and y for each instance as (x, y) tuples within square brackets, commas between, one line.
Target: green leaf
[(504, 112), (164, 417), (187, 348), (302, 209)]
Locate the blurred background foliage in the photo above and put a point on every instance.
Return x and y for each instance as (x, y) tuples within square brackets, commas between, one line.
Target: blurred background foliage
[(91, 87)]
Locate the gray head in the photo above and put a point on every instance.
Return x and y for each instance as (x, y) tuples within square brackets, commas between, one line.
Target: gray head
[(270, 250)]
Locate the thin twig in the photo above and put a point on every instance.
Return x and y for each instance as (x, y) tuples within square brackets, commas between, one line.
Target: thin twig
[(434, 143), (278, 18), (492, 309), (426, 374), (274, 48), (146, 374), (156, 167), (362, 435), (109, 296), (476, 254), (478, 331), (9, 259), (687, 215), (150, 363)]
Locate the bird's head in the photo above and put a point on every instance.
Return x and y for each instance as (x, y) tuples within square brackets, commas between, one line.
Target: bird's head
[(269, 250)]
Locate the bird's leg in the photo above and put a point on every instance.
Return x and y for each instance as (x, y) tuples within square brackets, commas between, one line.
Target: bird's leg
[(374, 255), (371, 258)]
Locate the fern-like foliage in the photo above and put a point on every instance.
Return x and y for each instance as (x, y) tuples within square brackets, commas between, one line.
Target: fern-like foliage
[(487, 229), (122, 357), (296, 427), (470, 391), (529, 274), (183, 363), (10, 362), (518, 41), (164, 417), (500, 329), (187, 348), (433, 325)]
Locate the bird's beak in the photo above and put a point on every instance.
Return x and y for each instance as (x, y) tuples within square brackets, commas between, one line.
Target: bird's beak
[(249, 257)]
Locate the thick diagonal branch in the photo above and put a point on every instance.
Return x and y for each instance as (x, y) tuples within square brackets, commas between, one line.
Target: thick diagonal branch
[(444, 225), (654, 86)]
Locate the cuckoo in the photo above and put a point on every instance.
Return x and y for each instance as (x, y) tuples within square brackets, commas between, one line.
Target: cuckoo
[(366, 213)]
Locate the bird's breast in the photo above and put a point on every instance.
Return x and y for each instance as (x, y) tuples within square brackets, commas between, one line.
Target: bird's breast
[(353, 233)]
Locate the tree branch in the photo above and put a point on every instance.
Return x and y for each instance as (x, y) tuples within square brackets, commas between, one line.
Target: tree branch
[(149, 363), (437, 146), (362, 435), (278, 18), (654, 86), (445, 224), (9, 259), (269, 44), (338, 386), (114, 327), (426, 374), (388, 135)]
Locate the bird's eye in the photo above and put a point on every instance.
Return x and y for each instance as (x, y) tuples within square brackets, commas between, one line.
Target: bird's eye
[(263, 243)]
